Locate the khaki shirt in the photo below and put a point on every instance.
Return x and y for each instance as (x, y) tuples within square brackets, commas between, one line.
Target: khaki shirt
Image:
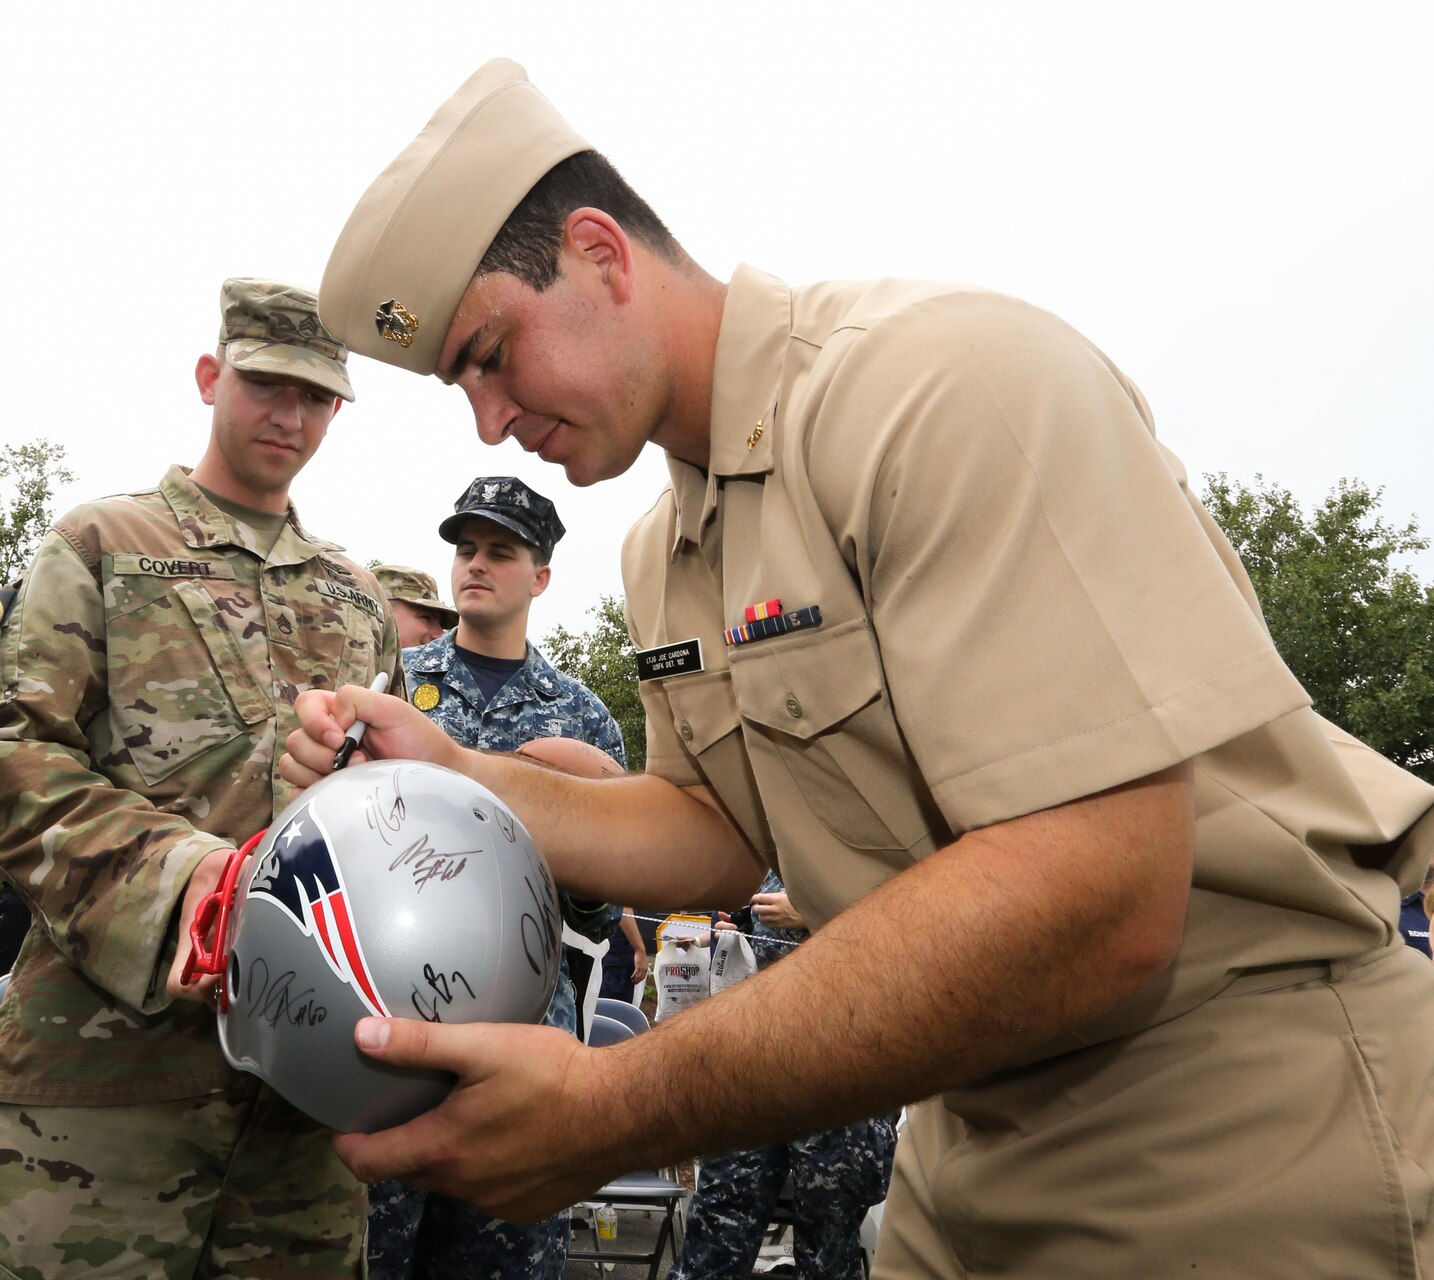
[(1022, 604), (149, 676)]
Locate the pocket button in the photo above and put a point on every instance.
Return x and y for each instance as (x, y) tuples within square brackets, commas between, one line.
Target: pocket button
[(794, 708)]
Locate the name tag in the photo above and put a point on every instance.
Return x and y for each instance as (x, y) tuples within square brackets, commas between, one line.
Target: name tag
[(352, 595), (122, 565), (681, 659)]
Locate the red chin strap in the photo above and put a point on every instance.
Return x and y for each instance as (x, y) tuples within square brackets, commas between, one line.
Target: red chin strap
[(214, 909)]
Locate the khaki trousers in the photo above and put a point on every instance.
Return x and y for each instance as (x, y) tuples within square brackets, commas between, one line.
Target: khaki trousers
[(1273, 1132)]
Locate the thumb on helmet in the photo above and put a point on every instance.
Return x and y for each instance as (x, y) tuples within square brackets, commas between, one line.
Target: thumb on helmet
[(408, 1042)]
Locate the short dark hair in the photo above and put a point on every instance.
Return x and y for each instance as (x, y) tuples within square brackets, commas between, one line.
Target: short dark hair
[(528, 243)]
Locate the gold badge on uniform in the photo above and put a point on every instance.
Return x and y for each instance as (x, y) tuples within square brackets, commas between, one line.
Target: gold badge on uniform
[(425, 697), (396, 322)]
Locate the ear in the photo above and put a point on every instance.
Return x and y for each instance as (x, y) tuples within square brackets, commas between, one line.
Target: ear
[(206, 377), (541, 580), (596, 240)]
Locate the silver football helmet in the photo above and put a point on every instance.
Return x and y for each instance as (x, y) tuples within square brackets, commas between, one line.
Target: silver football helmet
[(391, 888)]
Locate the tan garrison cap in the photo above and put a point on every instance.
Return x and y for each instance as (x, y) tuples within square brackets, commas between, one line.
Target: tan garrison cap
[(411, 245), (413, 586), (268, 327)]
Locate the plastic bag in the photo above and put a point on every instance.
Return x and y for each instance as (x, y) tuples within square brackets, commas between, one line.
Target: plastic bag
[(732, 960), (681, 977)]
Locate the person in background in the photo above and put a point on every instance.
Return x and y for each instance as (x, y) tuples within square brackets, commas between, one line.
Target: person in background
[(413, 596), (835, 1176), (1414, 913), (487, 686), (624, 967), (149, 673)]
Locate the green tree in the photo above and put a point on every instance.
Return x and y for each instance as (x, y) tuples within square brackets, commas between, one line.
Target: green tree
[(603, 659), (30, 473), (1356, 627)]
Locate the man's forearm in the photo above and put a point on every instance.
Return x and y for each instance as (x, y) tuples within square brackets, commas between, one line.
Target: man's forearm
[(660, 846), (950, 970)]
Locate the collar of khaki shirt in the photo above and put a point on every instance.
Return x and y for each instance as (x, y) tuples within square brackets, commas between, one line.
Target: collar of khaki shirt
[(751, 350)]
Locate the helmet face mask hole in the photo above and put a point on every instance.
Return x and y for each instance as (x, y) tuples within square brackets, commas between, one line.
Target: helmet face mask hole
[(234, 972), (480, 815)]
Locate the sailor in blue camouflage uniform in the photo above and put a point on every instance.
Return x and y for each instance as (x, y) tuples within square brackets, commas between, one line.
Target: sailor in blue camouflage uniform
[(836, 1176), (488, 687)]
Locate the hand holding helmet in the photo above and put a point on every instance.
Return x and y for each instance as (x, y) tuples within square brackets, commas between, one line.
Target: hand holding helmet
[(393, 888)]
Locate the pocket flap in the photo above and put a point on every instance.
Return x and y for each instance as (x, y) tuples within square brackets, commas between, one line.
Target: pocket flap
[(704, 708), (250, 701), (803, 683)]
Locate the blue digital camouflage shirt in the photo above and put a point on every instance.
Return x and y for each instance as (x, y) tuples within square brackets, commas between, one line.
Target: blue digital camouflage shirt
[(538, 702), (454, 1239)]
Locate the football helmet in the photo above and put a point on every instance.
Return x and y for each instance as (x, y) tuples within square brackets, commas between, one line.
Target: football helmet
[(393, 888)]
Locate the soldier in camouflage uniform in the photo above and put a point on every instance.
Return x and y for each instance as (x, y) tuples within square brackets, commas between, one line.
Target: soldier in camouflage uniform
[(488, 687), (149, 674), (412, 597), (836, 1176)]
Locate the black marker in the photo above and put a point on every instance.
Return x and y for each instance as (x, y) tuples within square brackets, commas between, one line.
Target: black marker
[(356, 730)]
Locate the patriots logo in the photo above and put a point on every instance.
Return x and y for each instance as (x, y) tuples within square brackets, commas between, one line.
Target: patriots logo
[(301, 877)]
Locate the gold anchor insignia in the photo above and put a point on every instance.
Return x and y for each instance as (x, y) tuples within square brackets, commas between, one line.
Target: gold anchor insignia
[(756, 435), (396, 322), (425, 697)]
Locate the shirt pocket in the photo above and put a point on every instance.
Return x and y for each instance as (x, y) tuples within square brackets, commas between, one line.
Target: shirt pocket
[(815, 707), (178, 684)]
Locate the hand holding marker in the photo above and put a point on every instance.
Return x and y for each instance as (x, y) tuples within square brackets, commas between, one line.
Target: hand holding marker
[(356, 730)]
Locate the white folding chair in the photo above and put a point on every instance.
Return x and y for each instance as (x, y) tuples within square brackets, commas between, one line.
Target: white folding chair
[(623, 1012)]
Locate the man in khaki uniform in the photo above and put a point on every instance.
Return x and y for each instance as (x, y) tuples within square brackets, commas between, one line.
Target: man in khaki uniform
[(412, 596), (933, 625), (149, 675)]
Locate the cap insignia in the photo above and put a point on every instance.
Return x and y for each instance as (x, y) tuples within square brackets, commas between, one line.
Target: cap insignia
[(396, 322)]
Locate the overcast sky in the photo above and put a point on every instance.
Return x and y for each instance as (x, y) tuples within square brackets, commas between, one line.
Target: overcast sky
[(1233, 200)]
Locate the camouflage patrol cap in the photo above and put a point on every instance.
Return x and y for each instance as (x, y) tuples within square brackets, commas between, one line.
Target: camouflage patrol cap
[(413, 586), (506, 500), (415, 238), (269, 327)]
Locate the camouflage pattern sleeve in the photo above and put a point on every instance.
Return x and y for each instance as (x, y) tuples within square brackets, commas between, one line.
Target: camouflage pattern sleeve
[(101, 868), (607, 736), (391, 659)]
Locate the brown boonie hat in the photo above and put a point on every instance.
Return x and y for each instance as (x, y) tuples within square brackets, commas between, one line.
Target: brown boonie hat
[(412, 586), (269, 327), (403, 261)]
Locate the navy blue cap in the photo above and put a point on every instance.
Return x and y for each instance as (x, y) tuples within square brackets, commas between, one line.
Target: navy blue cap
[(506, 500)]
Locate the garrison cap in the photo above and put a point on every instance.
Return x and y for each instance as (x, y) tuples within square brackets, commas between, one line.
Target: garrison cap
[(506, 500), (269, 327), (413, 586), (415, 238)]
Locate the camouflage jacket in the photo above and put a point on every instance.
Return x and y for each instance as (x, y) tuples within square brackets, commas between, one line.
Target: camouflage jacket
[(538, 702), (148, 675)]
